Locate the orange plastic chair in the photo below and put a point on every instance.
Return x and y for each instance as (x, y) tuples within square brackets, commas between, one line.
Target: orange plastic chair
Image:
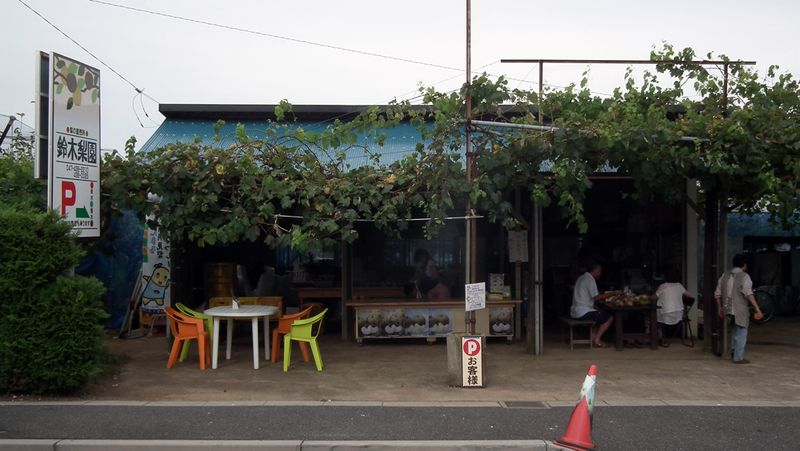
[(186, 328), (284, 327)]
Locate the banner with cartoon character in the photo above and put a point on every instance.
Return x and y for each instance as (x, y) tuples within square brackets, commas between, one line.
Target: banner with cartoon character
[(155, 271)]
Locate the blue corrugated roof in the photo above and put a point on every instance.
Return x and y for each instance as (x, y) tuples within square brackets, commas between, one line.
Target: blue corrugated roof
[(401, 140)]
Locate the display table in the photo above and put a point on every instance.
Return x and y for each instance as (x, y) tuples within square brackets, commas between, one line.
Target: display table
[(305, 293), (620, 335), (251, 312), (431, 319)]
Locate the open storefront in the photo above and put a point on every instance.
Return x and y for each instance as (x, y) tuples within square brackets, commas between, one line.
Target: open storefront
[(635, 240)]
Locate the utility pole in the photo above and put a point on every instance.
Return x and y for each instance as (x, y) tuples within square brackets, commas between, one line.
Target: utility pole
[(471, 227), (11, 120)]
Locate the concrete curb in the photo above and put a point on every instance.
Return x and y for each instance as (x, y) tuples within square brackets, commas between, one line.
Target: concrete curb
[(414, 404), (273, 445)]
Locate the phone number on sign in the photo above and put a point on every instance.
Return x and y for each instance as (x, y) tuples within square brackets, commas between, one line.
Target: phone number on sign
[(78, 172)]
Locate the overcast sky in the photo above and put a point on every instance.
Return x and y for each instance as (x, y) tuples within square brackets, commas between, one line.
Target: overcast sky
[(175, 61)]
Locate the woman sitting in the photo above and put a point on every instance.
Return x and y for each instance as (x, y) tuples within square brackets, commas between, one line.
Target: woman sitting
[(428, 281), (669, 297)]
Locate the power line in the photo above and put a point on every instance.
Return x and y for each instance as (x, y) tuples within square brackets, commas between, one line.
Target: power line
[(300, 41), (141, 91), (276, 36)]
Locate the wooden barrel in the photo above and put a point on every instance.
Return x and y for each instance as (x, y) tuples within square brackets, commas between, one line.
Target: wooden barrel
[(220, 278)]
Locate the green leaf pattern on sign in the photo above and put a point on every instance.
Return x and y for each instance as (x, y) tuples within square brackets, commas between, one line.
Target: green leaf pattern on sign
[(78, 80)]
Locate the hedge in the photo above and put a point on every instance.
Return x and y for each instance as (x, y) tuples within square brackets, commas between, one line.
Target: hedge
[(51, 335)]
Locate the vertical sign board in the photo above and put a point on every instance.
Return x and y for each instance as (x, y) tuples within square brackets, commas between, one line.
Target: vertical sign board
[(73, 176), (475, 296), (155, 272), (471, 361)]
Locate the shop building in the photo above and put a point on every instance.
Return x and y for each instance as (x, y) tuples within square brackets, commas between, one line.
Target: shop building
[(636, 241)]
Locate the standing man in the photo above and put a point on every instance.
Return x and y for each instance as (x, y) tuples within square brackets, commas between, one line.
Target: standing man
[(583, 297), (734, 291)]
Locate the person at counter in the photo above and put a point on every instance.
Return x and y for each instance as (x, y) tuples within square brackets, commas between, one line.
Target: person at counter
[(427, 279), (584, 296)]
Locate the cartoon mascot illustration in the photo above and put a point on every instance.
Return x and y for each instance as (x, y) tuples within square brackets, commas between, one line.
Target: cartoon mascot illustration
[(157, 284)]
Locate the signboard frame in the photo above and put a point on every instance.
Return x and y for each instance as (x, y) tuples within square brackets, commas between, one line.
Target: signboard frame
[(472, 361), (73, 166)]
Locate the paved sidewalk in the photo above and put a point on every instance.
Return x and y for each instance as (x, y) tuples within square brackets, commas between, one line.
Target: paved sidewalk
[(414, 372), (274, 445)]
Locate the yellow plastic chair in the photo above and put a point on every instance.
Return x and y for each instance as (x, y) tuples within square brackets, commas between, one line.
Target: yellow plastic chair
[(284, 327), (209, 326), (306, 331)]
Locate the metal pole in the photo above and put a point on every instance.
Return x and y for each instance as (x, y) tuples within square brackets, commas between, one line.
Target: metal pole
[(722, 228), (610, 61), (541, 91)]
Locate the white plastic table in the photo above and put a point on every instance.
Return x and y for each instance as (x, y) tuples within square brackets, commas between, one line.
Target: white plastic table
[(254, 312)]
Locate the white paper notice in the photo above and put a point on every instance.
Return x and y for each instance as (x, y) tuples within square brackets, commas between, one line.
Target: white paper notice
[(475, 296)]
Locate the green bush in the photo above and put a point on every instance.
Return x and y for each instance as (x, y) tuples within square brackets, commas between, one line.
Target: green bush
[(35, 247), (51, 335), (17, 185), (52, 342)]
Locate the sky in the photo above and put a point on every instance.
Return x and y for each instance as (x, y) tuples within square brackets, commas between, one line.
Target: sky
[(176, 61)]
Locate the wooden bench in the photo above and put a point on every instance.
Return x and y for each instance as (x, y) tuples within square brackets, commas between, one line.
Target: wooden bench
[(572, 324)]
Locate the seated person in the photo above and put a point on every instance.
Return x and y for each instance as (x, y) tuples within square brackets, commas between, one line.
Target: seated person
[(669, 297), (439, 291), (584, 296), (427, 280)]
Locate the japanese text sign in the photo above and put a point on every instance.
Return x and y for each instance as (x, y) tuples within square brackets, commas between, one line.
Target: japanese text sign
[(475, 296), (74, 142), (471, 361)]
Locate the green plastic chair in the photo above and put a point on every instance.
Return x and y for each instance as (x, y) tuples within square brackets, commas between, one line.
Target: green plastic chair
[(304, 330), (194, 314)]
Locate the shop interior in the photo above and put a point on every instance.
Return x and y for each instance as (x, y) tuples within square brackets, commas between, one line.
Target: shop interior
[(635, 241)]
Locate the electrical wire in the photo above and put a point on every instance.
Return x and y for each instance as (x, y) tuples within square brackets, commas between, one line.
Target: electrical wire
[(144, 110), (133, 108), (138, 119), (87, 50), (16, 119), (276, 36), (307, 42), (301, 41)]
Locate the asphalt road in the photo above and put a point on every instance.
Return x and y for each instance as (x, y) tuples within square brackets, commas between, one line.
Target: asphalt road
[(614, 428)]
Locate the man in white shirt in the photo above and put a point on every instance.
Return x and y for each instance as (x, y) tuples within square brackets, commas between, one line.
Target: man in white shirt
[(583, 297), (734, 291)]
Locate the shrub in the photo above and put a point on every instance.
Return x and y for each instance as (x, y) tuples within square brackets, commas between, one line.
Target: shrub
[(50, 325), (17, 185), (52, 341), (35, 247)]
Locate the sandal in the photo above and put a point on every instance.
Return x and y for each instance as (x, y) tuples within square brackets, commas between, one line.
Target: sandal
[(600, 345)]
